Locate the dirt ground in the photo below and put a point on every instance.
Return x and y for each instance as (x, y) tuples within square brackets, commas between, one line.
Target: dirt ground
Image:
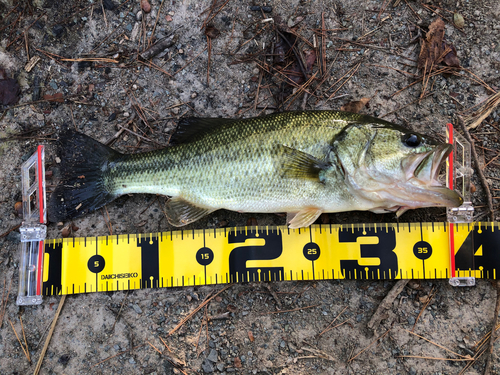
[(372, 52)]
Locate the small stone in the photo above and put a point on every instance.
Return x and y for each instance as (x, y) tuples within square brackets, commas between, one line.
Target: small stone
[(53, 84), (108, 4), (126, 114), (58, 160), (207, 366), (138, 16), (194, 95), (131, 361), (212, 357), (14, 237), (58, 30), (136, 308)]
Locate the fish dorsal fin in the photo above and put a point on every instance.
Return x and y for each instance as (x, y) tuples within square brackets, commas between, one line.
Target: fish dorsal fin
[(304, 217), (299, 164), (193, 128), (181, 212)]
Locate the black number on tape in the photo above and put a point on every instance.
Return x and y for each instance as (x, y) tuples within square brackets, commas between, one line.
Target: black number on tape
[(204, 256), (96, 263), (383, 250), (422, 250), (311, 251), (272, 249)]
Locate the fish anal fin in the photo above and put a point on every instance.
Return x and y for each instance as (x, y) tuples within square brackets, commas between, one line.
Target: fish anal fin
[(180, 212), (304, 217), (299, 164)]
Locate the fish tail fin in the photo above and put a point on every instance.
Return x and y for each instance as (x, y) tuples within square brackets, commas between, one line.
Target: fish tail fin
[(82, 188)]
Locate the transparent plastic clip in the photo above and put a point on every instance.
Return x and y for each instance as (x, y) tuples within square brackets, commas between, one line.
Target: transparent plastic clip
[(458, 176), (33, 230)]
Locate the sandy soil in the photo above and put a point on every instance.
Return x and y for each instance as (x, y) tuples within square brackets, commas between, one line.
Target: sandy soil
[(252, 338)]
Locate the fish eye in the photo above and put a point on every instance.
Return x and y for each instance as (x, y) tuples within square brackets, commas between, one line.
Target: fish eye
[(412, 140)]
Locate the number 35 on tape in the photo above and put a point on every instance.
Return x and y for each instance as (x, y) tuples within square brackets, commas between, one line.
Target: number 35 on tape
[(219, 256)]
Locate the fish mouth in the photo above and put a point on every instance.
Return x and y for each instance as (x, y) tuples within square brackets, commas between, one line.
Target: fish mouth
[(422, 173)]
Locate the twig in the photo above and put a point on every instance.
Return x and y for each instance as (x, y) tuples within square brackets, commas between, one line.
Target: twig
[(6, 233), (273, 294), (4, 302), (104, 14), (494, 334), (373, 342), (433, 343), (20, 343), (386, 304), (156, 22), (297, 309), (24, 337), (436, 358), (159, 46), (406, 105), (474, 120), (140, 136), (317, 354), (117, 354), (207, 20), (200, 306), (154, 347), (333, 321), (479, 168), (29, 27), (354, 70), (190, 61), (429, 298), (49, 336)]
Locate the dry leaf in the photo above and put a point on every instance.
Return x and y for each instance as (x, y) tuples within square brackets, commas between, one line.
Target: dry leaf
[(434, 50), (250, 336), (458, 20), (355, 107), (431, 48)]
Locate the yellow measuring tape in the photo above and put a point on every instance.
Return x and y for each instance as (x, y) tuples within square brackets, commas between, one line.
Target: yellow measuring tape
[(321, 252)]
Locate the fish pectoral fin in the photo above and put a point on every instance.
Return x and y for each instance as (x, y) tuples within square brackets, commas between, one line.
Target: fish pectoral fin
[(299, 164), (181, 212), (304, 217)]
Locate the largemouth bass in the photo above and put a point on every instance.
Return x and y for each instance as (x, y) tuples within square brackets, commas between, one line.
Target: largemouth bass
[(301, 163)]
